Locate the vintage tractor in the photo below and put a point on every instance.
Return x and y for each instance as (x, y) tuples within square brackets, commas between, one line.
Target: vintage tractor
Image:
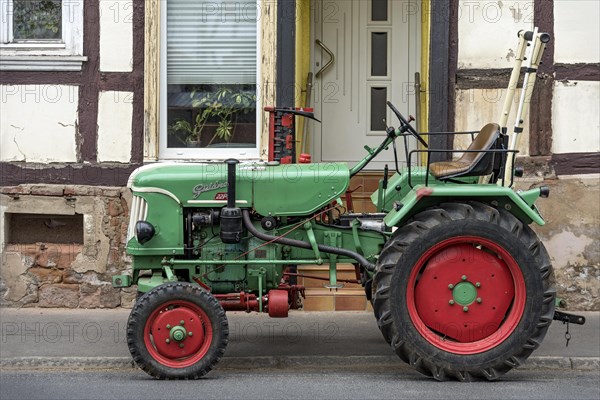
[(460, 285)]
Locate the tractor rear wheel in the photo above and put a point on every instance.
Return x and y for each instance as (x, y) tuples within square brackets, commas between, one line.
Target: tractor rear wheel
[(177, 331), (464, 291)]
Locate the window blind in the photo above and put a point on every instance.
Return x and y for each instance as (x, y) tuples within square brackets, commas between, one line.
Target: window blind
[(211, 41)]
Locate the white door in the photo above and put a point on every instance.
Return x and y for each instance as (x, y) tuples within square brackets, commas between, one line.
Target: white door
[(375, 46)]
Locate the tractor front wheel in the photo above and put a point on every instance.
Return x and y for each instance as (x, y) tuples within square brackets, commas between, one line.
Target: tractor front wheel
[(464, 291), (177, 331)]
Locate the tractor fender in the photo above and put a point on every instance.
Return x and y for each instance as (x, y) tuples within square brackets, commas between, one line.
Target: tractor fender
[(520, 204)]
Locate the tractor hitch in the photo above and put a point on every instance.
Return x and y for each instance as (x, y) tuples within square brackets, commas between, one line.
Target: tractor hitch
[(568, 318)]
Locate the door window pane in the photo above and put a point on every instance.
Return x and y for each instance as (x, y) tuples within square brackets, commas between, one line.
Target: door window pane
[(211, 73), (378, 108), (41, 20), (379, 10), (379, 53)]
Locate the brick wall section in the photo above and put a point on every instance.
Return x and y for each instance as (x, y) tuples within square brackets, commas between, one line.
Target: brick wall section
[(67, 275)]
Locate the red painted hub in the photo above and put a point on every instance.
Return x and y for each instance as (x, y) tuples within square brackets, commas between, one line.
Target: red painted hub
[(466, 295), (278, 303), (169, 341)]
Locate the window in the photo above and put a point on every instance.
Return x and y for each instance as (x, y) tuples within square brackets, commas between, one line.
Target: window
[(209, 71), (42, 35)]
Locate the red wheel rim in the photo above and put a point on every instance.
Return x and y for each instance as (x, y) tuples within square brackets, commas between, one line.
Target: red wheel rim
[(466, 295), (167, 334)]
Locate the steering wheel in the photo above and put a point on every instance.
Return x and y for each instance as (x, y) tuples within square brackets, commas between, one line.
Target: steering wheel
[(406, 126)]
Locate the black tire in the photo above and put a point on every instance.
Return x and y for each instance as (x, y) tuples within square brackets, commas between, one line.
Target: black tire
[(211, 322), (409, 249)]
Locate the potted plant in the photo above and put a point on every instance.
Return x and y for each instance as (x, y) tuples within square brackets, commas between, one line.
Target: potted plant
[(219, 110)]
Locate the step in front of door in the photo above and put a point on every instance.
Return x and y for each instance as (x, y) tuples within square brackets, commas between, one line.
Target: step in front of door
[(318, 298)]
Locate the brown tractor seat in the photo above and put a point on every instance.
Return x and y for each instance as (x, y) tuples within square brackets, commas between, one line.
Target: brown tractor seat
[(470, 163)]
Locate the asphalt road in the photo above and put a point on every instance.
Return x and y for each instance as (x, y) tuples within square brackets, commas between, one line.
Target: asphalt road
[(395, 383)]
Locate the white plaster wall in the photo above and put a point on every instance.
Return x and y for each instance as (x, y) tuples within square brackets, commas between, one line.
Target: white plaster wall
[(576, 117), (38, 123), (115, 113), (487, 32), (478, 107), (116, 35), (576, 31)]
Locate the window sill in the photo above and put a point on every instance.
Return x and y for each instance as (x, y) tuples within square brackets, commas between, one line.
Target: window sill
[(41, 62)]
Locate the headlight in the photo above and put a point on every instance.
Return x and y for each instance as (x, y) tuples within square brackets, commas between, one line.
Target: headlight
[(144, 231)]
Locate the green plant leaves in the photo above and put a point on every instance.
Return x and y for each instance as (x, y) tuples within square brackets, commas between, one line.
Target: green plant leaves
[(223, 104)]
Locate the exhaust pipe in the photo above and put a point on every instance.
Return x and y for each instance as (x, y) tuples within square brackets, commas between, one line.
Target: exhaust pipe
[(231, 216)]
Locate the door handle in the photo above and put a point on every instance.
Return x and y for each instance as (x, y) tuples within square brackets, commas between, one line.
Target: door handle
[(329, 63)]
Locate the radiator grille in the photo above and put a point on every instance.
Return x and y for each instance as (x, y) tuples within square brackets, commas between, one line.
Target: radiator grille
[(139, 212)]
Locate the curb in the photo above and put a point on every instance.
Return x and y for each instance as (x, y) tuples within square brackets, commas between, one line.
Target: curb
[(284, 362)]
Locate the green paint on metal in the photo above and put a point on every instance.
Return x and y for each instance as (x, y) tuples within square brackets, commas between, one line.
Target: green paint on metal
[(146, 284), (530, 196), (417, 200), (399, 186), (307, 187), (169, 274), (559, 302), (333, 240), (464, 293), (313, 241), (120, 281), (165, 214), (356, 236), (178, 333), (260, 275), (243, 262)]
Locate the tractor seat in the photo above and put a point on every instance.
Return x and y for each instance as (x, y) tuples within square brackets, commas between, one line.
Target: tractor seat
[(470, 164)]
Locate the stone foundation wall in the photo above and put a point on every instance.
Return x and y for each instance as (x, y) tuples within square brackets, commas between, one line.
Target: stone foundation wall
[(62, 274), (572, 236)]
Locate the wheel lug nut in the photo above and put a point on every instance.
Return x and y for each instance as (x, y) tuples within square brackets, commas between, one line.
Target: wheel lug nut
[(182, 322), (168, 326), (181, 345), (451, 302), (464, 277), (479, 300), (450, 286), (478, 284), (168, 340), (465, 308)]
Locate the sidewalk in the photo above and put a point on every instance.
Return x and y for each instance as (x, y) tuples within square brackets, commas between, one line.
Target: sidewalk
[(96, 339)]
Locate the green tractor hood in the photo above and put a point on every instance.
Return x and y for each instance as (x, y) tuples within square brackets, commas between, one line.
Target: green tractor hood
[(277, 190)]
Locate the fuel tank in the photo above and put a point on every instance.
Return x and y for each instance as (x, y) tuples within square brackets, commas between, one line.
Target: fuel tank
[(276, 190)]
